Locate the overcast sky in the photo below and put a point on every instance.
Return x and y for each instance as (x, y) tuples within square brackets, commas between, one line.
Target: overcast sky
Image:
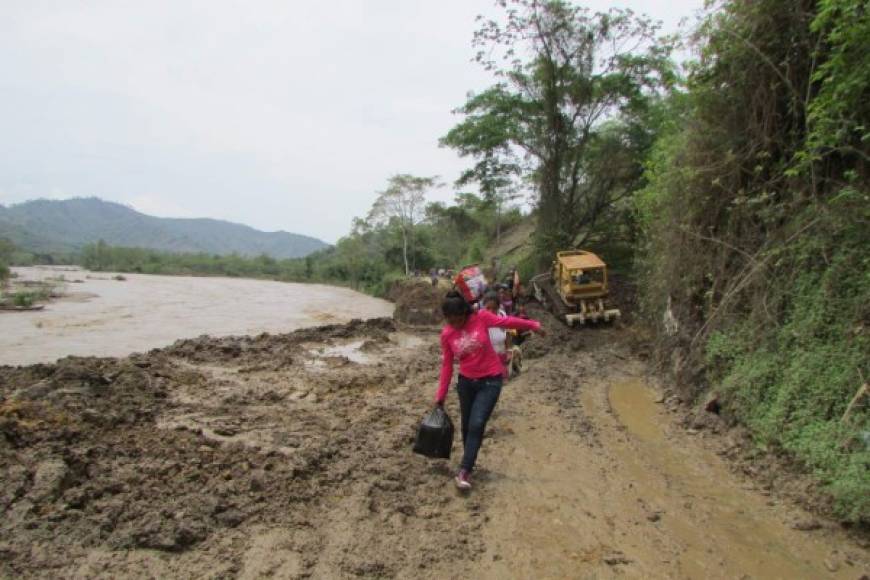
[(277, 114)]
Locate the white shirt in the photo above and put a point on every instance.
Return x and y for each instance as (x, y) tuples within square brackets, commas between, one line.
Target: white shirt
[(498, 336)]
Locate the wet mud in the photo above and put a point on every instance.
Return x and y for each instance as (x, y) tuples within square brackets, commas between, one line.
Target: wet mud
[(229, 457), (289, 456)]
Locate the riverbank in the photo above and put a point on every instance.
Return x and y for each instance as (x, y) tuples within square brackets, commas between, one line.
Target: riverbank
[(110, 315)]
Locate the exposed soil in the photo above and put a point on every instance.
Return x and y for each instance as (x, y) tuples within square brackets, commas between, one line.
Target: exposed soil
[(418, 302), (289, 456)]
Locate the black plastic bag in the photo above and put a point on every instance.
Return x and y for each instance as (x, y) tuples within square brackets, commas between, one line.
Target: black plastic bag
[(435, 435)]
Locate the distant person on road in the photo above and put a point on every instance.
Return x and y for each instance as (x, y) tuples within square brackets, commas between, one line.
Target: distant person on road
[(466, 337), (521, 335), (498, 337), (433, 276), (506, 299)]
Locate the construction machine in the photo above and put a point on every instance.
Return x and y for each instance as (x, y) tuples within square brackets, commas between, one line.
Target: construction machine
[(576, 288)]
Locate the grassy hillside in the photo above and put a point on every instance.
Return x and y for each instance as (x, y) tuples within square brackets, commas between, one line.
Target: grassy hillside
[(48, 226)]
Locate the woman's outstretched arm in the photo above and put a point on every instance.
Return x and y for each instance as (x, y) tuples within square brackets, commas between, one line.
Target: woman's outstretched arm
[(446, 370), (512, 322)]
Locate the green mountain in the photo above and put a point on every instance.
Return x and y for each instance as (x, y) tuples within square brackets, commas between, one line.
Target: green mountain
[(49, 226)]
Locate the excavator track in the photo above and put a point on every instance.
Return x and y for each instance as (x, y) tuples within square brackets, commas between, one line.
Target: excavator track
[(593, 311), (546, 294)]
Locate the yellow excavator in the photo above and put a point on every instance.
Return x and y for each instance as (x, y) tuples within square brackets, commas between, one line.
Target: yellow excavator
[(576, 288)]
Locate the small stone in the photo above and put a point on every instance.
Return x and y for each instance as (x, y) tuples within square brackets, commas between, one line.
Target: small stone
[(616, 559), (807, 525), (231, 517), (92, 416), (33, 392), (258, 480), (48, 480), (831, 564), (711, 404)]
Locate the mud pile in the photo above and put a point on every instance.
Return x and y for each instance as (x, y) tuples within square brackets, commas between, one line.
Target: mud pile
[(417, 302), (221, 450)]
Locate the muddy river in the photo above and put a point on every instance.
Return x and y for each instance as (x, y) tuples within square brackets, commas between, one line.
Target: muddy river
[(101, 316)]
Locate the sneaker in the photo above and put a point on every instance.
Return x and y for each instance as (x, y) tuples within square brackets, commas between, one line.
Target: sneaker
[(463, 480)]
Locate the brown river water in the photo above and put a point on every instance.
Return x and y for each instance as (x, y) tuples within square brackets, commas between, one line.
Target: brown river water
[(101, 316)]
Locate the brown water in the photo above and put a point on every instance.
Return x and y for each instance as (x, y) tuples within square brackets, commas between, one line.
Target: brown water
[(106, 317)]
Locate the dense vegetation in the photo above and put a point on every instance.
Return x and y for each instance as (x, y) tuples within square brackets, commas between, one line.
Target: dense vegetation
[(102, 257), (7, 250), (369, 258), (755, 225)]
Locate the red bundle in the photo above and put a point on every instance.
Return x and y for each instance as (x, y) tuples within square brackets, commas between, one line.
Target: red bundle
[(471, 282)]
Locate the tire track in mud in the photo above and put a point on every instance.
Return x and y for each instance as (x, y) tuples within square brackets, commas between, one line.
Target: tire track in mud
[(595, 480)]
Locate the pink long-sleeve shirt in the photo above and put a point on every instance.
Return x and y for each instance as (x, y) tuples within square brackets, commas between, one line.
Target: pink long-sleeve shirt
[(471, 345)]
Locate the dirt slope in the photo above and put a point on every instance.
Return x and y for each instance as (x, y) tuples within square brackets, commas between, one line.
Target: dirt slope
[(288, 456)]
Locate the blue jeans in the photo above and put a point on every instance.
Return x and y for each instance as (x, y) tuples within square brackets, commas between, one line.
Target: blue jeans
[(477, 399)]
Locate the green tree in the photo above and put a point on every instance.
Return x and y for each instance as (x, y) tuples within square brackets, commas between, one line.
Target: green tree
[(562, 70), (837, 117), (402, 204), (7, 250)]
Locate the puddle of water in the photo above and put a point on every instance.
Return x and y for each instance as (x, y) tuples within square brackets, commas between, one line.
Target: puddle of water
[(722, 527), (350, 351), (403, 340), (635, 405), (355, 350)]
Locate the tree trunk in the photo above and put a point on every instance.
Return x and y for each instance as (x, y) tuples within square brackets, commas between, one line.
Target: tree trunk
[(497, 223), (405, 250)]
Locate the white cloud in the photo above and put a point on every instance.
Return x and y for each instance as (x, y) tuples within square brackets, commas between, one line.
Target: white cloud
[(282, 115)]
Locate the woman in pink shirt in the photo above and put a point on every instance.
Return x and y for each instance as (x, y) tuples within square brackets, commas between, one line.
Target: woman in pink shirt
[(466, 337)]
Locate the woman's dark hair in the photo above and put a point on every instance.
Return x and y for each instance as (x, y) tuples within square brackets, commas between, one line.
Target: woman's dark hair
[(491, 296), (455, 304)]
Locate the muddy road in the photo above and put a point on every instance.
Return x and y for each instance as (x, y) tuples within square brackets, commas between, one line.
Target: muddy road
[(288, 456)]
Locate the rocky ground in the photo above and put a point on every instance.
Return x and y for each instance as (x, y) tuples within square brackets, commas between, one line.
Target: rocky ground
[(289, 456)]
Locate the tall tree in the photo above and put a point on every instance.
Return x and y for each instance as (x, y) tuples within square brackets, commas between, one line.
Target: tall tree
[(562, 71), (7, 249), (403, 203), (495, 174)]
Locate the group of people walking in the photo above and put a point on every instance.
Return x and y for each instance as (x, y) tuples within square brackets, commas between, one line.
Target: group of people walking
[(477, 336)]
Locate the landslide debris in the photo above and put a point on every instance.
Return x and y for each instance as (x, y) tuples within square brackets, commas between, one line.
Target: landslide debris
[(216, 441), (418, 302)]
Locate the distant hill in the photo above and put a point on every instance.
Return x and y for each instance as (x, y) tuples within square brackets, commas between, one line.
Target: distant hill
[(48, 226)]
